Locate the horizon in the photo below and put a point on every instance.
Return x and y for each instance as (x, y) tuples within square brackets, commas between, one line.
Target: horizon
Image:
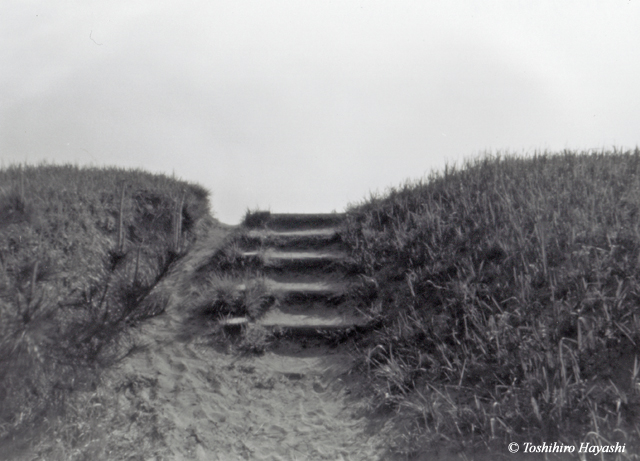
[(455, 164), (299, 107)]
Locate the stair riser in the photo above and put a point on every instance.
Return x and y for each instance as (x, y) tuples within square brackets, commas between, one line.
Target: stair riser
[(293, 243), (304, 331), (312, 332), (298, 265), (301, 297)]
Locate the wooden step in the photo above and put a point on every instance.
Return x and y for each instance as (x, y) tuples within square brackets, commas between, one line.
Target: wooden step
[(307, 272), (300, 221), (323, 232), (331, 292), (310, 322), (300, 292), (296, 239), (297, 260)]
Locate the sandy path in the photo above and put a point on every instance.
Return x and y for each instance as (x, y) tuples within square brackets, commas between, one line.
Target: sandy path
[(181, 398), (288, 404)]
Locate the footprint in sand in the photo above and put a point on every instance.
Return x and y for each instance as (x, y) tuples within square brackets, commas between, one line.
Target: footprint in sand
[(179, 367)]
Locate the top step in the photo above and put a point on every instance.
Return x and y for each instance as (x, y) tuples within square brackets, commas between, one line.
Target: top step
[(297, 221)]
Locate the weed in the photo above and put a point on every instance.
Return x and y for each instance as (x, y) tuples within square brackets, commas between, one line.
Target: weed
[(509, 291), (232, 260), (257, 298), (255, 339), (255, 219), (14, 209), (82, 254), (223, 296)]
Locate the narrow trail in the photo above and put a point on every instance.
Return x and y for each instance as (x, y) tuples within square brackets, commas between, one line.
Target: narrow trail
[(296, 401)]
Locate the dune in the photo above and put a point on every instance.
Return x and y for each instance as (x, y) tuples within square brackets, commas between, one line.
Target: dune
[(186, 397), (290, 403)]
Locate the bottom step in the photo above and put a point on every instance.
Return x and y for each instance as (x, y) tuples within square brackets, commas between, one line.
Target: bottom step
[(317, 322)]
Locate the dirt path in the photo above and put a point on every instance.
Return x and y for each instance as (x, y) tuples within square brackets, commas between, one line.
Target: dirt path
[(289, 404), (187, 400)]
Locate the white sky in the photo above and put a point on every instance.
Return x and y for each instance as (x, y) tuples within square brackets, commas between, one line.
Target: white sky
[(305, 106)]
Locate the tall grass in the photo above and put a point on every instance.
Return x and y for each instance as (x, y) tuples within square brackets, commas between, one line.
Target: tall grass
[(81, 253), (510, 293)]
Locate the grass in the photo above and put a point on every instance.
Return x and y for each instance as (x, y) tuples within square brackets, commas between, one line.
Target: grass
[(82, 252), (255, 218), (510, 295), (222, 296)]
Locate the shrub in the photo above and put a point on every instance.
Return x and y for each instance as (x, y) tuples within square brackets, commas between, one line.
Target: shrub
[(82, 251), (257, 218)]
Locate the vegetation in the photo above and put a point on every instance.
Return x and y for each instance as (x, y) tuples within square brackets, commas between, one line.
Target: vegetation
[(82, 251), (509, 291), (255, 218)]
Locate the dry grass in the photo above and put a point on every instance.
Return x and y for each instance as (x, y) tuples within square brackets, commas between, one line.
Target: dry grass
[(82, 251), (256, 218), (510, 291)]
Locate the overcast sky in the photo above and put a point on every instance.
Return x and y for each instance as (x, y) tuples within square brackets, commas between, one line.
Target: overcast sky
[(310, 105)]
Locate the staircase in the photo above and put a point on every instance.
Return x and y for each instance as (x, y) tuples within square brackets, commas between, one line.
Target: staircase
[(307, 271)]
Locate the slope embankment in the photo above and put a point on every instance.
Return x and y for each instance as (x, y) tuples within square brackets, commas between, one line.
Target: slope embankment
[(271, 384), (83, 253), (508, 290), (489, 304)]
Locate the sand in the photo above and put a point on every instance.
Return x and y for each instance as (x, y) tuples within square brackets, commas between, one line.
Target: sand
[(189, 395), (291, 403)]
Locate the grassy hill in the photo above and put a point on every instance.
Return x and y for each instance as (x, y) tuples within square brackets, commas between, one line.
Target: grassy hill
[(506, 292), (81, 253), (509, 294)]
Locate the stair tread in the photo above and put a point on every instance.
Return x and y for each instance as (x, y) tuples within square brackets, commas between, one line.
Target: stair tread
[(312, 277), (307, 215), (298, 255), (275, 319), (320, 286), (311, 317), (315, 287), (320, 232)]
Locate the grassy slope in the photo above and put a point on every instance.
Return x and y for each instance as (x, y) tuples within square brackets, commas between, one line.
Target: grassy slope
[(72, 278), (510, 292)]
